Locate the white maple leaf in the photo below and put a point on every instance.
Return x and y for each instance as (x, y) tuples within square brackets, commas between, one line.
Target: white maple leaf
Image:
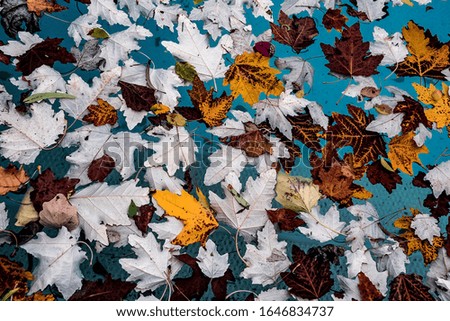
[(154, 266), (108, 10), (320, 227), (261, 8), (232, 127), (275, 111), (193, 47), (28, 135), (175, 146), (44, 79), (160, 180), (439, 177), (392, 100), (390, 124), (166, 16), (422, 133), (266, 261), (425, 227), (390, 257), (372, 8), (101, 204), (139, 8), (85, 95), (16, 48), (118, 235), (59, 260), (391, 47), (241, 39), (224, 161), (350, 288), (355, 90), (80, 27), (291, 7), (273, 294), (301, 72), (167, 230), (439, 272), (317, 115), (259, 194), (211, 262), (119, 45)]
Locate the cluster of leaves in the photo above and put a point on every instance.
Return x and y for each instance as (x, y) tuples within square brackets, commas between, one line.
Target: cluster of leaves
[(109, 198)]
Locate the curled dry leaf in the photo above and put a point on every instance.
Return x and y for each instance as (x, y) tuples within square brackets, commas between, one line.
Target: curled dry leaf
[(39, 6), (11, 179), (59, 212)]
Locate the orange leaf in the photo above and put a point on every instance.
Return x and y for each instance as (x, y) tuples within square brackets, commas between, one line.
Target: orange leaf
[(403, 151), (11, 179), (37, 6), (101, 114), (439, 99)]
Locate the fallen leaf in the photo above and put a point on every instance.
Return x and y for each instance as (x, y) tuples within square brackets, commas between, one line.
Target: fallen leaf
[(403, 151), (13, 277), (103, 290), (250, 75), (41, 96), (26, 213), (413, 114), (409, 287), (213, 110), (185, 71), (310, 276), (367, 289), (100, 168), (253, 142), (439, 99), (439, 206), (198, 221), (101, 114), (428, 56), (378, 174), (334, 18), (286, 219), (59, 212), (295, 32), (38, 6), (322, 227), (12, 179), (351, 56), (213, 264), (137, 97), (15, 17), (143, 217), (4, 58), (304, 129)]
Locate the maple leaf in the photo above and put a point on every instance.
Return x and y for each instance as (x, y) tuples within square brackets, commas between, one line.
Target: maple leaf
[(100, 168), (44, 53), (428, 56), (320, 227), (296, 32), (439, 99), (304, 129), (213, 110), (107, 9), (334, 18), (137, 97), (350, 56), (194, 287), (391, 47), (413, 114), (403, 151), (409, 287), (250, 75), (301, 72), (253, 142), (351, 131), (373, 9), (378, 174), (101, 114), (438, 178), (12, 179), (310, 276), (37, 6), (198, 221), (439, 206), (367, 289), (286, 219), (224, 161), (211, 262), (108, 289), (425, 227)]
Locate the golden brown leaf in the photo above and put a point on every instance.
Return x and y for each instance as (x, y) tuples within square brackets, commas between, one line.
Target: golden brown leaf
[(439, 99), (367, 289), (250, 75), (37, 6), (11, 179), (198, 221), (101, 114), (403, 152)]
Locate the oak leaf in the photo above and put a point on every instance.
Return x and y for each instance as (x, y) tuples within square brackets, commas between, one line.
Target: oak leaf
[(439, 99), (137, 97), (403, 152), (296, 32), (351, 56), (198, 221), (334, 18), (213, 110), (409, 287), (428, 56), (413, 114), (12, 179), (250, 75), (37, 6), (378, 174), (101, 114), (100, 168)]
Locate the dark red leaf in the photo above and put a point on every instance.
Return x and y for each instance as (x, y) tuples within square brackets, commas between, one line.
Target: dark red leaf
[(413, 114), (190, 113), (377, 174), (264, 48), (100, 168), (219, 285), (188, 186), (137, 97), (439, 206), (193, 287), (287, 219), (367, 289), (44, 53), (355, 13), (107, 290), (143, 217), (409, 287), (4, 58), (334, 18), (420, 181), (46, 186), (447, 240), (304, 129)]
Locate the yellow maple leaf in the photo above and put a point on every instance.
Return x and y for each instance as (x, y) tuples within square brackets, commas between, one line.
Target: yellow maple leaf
[(101, 114), (413, 243), (250, 75), (403, 151), (198, 221), (439, 99), (428, 57)]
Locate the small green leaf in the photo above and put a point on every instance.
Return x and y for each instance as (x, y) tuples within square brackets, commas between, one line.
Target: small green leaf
[(41, 96), (238, 197), (98, 33), (132, 210), (196, 2), (185, 71)]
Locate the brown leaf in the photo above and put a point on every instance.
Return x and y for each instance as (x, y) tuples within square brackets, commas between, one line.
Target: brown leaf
[(296, 32), (310, 276), (414, 114), (4, 58), (59, 212), (367, 289), (287, 219), (351, 56), (377, 174), (439, 206), (305, 130), (253, 142), (37, 6), (190, 113), (107, 290), (192, 287), (447, 241), (355, 13), (46, 187), (420, 181), (43, 53), (13, 276), (101, 114), (100, 168), (137, 97), (219, 285), (409, 287), (143, 217), (334, 18), (11, 179)]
